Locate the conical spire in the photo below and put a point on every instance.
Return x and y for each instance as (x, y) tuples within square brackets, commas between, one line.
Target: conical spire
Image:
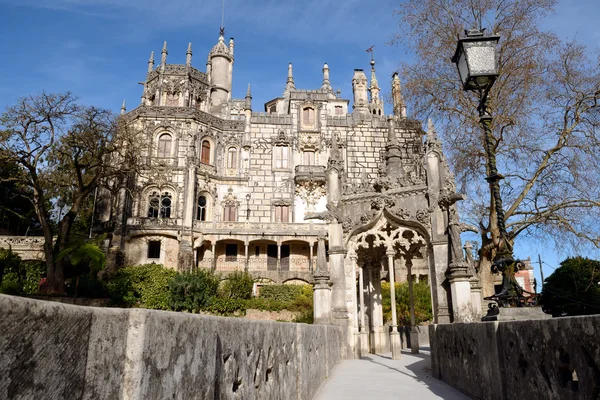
[(151, 62), (123, 108), (376, 105), (164, 52), (326, 84), (399, 105), (188, 55), (231, 45), (289, 85)]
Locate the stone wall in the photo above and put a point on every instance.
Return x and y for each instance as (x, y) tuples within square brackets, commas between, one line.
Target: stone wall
[(51, 350), (536, 359)]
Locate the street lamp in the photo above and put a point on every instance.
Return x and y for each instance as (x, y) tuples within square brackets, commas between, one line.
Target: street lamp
[(476, 61), (248, 207)]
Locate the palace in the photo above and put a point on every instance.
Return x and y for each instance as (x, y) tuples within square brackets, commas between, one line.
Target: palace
[(309, 191)]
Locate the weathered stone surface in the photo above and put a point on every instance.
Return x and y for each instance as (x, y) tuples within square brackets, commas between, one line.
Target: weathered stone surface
[(536, 359), (50, 350)]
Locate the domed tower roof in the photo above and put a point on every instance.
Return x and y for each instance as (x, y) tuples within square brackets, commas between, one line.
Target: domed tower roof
[(221, 48)]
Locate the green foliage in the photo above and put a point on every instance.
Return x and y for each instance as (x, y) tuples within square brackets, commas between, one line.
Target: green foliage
[(145, 286), (573, 289), (19, 277), (84, 255), (192, 291), (285, 293), (226, 306), (237, 285), (422, 299)]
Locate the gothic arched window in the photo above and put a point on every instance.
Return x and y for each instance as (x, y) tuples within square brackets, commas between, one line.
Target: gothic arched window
[(159, 205), (201, 212), (232, 157), (308, 116), (164, 145), (205, 154)]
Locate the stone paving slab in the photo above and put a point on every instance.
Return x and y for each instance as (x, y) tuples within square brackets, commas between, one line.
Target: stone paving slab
[(380, 377)]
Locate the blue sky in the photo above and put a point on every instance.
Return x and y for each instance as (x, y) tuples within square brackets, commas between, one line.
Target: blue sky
[(98, 49)]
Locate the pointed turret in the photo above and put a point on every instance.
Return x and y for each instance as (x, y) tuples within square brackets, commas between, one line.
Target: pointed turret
[(188, 55), (398, 99), (326, 84), (289, 84), (123, 108), (248, 100), (163, 58), (231, 45), (376, 105), (220, 71), (151, 62)]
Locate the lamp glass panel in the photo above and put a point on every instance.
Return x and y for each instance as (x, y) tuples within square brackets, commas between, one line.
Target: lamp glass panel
[(463, 68), (481, 57)]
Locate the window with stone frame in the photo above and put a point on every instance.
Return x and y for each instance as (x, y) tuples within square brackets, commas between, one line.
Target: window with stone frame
[(232, 154), (164, 145), (205, 152), (281, 213), (339, 110), (308, 116), (201, 211), (159, 205), (281, 157), (230, 213), (153, 249), (272, 109), (308, 158)]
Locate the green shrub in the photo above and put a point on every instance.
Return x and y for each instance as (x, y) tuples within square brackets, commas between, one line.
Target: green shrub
[(422, 299), (192, 291), (34, 272), (19, 277), (237, 285), (144, 286), (284, 293), (89, 286), (222, 306), (11, 284)]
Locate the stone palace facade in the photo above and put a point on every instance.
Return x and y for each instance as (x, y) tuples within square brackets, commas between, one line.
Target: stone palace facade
[(311, 190)]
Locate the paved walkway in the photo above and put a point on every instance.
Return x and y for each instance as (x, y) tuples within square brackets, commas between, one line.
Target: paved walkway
[(380, 377)]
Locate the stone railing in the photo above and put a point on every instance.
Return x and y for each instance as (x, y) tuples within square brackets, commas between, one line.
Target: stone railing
[(289, 228), (27, 247), (265, 118), (52, 350), (186, 112), (533, 359), (154, 222), (256, 264)]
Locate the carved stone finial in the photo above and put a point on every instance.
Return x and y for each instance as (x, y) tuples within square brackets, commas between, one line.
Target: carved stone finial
[(164, 52), (188, 55), (326, 84), (398, 99), (123, 108), (151, 62), (290, 79), (248, 99)]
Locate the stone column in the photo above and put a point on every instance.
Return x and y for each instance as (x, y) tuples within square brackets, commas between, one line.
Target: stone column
[(353, 258), (246, 257), (321, 287), (364, 335), (214, 255), (310, 259), (185, 257), (394, 334), (377, 334), (278, 256), (414, 333)]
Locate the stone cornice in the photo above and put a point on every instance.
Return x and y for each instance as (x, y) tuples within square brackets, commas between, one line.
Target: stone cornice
[(186, 112)]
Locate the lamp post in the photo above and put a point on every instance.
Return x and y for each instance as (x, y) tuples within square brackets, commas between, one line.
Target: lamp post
[(248, 207), (475, 59)]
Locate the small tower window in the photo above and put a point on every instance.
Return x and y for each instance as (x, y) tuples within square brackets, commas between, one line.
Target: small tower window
[(232, 158), (339, 110), (281, 154), (172, 100), (308, 116), (205, 155), (272, 109), (201, 213), (164, 145), (308, 158)]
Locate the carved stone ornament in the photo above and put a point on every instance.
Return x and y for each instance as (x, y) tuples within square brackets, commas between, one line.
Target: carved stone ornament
[(311, 192), (230, 199)]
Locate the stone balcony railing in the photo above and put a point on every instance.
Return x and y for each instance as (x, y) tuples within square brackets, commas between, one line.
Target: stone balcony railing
[(155, 223), (230, 264), (313, 173), (271, 228)]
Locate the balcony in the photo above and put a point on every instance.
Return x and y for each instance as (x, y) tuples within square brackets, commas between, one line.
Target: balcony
[(309, 173), (231, 264), (154, 223), (268, 228)]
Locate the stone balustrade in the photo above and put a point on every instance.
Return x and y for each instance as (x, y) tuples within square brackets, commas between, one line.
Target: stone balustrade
[(271, 228), (27, 247), (154, 222)]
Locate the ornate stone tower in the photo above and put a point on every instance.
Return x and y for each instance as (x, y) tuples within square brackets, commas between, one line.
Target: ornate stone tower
[(219, 68)]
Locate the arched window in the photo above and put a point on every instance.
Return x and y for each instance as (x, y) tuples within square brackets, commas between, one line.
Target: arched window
[(308, 158), (230, 213), (164, 145), (205, 154), (159, 205), (232, 157), (201, 212), (308, 116)]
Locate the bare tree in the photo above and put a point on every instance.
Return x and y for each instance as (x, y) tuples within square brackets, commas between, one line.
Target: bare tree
[(545, 126), (66, 151)]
